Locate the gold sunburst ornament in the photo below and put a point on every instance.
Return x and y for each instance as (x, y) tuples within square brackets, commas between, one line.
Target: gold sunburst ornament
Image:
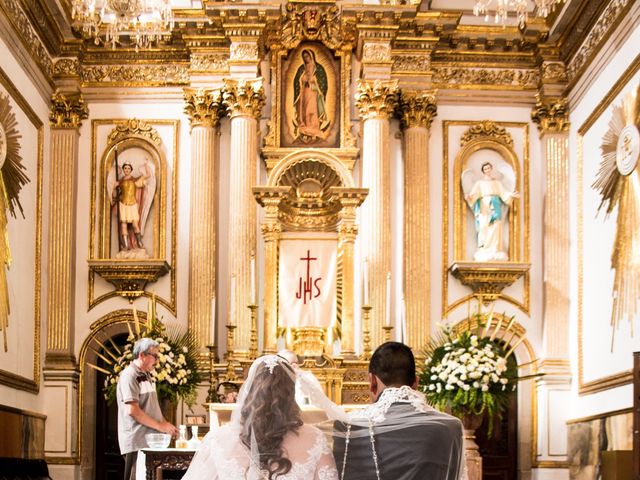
[(12, 179), (618, 182)]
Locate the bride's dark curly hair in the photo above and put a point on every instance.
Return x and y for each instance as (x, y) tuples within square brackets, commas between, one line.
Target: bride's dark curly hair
[(270, 412)]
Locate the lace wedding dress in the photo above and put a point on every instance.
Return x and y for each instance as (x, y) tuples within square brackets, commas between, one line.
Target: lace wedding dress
[(223, 457)]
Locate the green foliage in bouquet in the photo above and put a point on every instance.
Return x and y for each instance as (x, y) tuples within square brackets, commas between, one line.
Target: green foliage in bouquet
[(175, 374), (468, 374)]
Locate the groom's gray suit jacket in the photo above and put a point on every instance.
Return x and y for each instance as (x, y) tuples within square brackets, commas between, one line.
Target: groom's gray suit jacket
[(424, 452)]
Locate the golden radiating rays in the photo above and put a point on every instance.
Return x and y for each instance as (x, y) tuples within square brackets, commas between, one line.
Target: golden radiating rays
[(622, 190), (12, 179)]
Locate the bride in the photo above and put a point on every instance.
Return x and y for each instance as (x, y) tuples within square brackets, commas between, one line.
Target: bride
[(266, 438)]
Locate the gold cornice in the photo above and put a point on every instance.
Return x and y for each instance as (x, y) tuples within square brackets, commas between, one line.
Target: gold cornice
[(203, 106), (67, 111), (66, 67), (243, 97), (551, 115), (376, 99), (417, 109)]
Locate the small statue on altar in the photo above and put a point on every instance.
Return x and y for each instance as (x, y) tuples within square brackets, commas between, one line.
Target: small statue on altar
[(131, 185), (489, 197), (227, 392)]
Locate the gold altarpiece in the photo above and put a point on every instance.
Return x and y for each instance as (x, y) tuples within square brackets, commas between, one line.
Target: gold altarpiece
[(310, 186)]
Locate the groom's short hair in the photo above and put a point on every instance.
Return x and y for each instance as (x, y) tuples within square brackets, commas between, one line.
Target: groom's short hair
[(393, 364)]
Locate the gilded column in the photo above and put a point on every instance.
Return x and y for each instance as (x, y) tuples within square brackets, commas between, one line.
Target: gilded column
[(270, 198), (417, 111), (203, 106), (376, 102), (347, 232), (67, 113), (243, 100), (552, 117)]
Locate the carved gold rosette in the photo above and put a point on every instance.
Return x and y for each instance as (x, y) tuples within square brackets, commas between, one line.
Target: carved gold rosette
[(375, 99), (243, 97), (203, 106), (417, 109), (67, 111), (551, 115)]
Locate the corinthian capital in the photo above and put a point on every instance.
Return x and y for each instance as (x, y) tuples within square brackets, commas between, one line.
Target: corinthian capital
[(67, 111), (204, 106), (417, 109), (376, 99), (551, 115), (243, 97)]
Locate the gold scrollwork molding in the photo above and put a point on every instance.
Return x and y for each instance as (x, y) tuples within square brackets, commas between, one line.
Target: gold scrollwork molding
[(30, 39), (203, 106), (66, 67), (411, 63), (376, 52), (244, 51), (551, 115), (484, 76), (587, 50), (376, 98), (313, 23), (67, 111), (417, 109), (134, 127), (554, 72), (209, 62), (131, 75), (243, 97), (486, 128)]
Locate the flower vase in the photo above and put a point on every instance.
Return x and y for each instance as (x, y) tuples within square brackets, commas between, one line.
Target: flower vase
[(169, 410), (473, 460)]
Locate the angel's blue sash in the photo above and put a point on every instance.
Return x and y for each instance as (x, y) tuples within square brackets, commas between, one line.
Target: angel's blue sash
[(495, 206)]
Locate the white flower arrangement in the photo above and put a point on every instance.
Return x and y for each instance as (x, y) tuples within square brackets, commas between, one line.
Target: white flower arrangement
[(468, 374), (175, 373)]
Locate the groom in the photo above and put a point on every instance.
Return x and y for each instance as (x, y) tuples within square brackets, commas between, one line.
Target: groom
[(399, 436)]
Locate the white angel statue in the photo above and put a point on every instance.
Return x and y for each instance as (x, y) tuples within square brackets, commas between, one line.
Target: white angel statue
[(134, 195), (489, 197)]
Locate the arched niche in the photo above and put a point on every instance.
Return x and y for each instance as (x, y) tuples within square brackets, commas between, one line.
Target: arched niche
[(311, 192), (481, 143), (134, 142)]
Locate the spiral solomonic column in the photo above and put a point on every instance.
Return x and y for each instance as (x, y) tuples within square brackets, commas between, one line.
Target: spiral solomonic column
[(243, 100), (376, 102), (417, 110), (204, 108)]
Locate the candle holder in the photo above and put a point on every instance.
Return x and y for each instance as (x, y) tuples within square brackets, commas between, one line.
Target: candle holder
[(212, 394), (253, 349), (366, 334), (231, 373), (387, 332)]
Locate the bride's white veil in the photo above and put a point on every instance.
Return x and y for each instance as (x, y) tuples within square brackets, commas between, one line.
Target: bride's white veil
[(266, 404)]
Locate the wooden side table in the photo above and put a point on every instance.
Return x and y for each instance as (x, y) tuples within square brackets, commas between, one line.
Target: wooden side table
[(166, 464)]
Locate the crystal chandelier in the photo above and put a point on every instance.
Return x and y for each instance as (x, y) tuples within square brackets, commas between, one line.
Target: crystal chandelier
[(143, 22), (503, 7)]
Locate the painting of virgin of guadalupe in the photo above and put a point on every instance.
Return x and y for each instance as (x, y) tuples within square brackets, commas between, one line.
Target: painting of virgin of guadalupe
[(311, 92)]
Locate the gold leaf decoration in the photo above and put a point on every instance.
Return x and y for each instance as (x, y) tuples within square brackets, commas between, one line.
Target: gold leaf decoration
[(618, 182), (12, 179)]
